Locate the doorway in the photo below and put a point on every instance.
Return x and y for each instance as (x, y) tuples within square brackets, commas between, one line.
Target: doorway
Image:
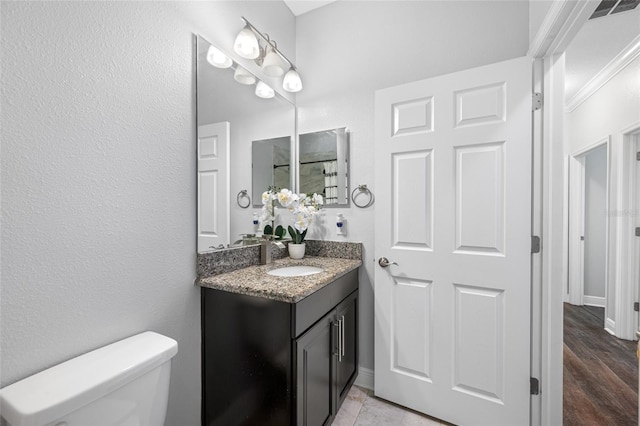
[(599, 322), (588, 231)]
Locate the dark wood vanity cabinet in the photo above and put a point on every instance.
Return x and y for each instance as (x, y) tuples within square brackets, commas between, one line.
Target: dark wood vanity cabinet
[(269, 362), (326, 358)]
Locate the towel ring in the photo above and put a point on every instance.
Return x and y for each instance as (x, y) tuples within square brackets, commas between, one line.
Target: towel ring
[(368, 193), (243, 195)]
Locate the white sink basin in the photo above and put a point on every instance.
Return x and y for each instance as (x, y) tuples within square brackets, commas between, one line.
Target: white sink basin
[(295, 271)]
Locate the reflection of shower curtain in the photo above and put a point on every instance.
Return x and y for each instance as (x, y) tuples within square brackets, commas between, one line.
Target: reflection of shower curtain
[(331, 182)]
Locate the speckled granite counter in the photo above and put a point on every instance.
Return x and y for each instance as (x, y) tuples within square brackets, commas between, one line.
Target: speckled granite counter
[(255, 281), (223, 261)]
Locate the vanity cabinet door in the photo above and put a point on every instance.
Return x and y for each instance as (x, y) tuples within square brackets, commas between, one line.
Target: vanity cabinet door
[(347, 366), (315, 373)]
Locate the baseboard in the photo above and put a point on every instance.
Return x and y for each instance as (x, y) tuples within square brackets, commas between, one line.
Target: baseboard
[(610, 326), (594, 301), (365, 378)]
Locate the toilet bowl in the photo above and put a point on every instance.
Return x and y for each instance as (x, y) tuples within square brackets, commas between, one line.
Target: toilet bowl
[(124, 383)]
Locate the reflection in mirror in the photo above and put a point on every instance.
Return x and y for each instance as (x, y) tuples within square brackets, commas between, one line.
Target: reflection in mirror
[(324, 165), (271, 166), (232, 105)]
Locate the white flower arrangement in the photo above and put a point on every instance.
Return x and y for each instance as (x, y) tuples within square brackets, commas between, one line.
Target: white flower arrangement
[(303, 207)]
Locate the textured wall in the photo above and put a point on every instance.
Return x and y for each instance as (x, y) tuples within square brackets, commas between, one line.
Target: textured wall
[(98, 178), (373, 45)]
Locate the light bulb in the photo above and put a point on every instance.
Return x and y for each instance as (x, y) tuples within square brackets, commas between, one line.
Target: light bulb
[(217, 58), (264, 91), (272, 65), (246, 44), (292, 81), (243, 76)]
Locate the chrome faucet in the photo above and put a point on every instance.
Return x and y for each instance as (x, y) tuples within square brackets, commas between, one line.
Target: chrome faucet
[(265, 249)]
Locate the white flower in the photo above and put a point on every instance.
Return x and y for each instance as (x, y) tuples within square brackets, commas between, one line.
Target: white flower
[(302, 221), (267, 196), (287, 198), (303, 207)]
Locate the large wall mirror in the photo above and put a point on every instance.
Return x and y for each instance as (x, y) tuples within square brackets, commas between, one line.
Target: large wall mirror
[(323, 165), (226, 108)]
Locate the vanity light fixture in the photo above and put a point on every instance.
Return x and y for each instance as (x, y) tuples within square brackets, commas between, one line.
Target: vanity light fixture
[(243, 76), (246, 44), (264, 91), (273, 62), (292, 82), (217, 58)]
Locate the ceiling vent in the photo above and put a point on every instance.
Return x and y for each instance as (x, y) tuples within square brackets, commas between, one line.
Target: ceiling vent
[(608, 7)]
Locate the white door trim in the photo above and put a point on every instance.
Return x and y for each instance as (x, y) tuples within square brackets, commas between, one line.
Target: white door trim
[(538, 333), (549, 271), (551, 221), (626, 264), (562, 22)]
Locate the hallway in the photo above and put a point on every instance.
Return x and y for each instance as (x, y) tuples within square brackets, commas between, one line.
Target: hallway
[(600, 371)]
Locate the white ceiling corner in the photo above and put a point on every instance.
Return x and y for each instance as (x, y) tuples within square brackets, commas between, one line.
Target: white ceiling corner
[(298, 7), (600, 49)]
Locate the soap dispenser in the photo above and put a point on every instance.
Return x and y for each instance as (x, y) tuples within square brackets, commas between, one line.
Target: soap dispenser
[(340, 229), (256, 223)]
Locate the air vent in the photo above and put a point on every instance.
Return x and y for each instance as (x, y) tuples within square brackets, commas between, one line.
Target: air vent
[(608, 7)]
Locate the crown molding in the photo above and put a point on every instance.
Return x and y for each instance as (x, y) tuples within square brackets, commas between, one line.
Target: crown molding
[(617, 64)]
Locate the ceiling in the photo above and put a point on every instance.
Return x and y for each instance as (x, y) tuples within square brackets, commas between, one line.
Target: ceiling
[(596, 44), (298, 7)]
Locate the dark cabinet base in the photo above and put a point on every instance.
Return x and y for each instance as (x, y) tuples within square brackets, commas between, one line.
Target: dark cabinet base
[(253, 363)]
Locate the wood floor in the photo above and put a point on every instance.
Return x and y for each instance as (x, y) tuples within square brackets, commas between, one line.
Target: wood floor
[(600, 372)]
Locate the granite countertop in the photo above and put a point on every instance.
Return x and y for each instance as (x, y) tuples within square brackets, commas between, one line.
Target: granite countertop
[(254, 280)]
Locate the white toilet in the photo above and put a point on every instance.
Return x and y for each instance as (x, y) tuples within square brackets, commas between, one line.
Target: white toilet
[(124, 383)]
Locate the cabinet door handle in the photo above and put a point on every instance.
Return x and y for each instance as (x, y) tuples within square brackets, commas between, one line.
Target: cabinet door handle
[(340, 350), (342, 345), (334, 334)]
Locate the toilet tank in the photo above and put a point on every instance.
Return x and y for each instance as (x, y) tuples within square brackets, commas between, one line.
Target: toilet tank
[(124, 383)]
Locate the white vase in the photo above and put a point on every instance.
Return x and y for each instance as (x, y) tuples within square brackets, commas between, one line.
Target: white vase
[(296, 251)]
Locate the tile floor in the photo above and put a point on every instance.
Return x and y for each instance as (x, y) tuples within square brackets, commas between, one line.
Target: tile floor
[(362, 408)]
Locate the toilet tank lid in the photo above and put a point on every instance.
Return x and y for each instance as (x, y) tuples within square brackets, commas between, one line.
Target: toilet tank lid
[(64, 388)]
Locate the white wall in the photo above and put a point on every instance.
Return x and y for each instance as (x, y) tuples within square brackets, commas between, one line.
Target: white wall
[(610, 110), (99, 179), (595, 218), (349, 49)]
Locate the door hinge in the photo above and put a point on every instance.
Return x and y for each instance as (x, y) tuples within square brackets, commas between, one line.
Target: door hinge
[(535, 244), (636, 307), (638, 155), (537, 101), (638, 231), (535, 386)]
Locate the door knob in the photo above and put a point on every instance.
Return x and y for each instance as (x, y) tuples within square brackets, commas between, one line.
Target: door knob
[(384, 262)]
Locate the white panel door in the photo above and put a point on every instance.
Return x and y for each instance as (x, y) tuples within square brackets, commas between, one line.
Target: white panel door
[(213, 185), (453, 182)]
